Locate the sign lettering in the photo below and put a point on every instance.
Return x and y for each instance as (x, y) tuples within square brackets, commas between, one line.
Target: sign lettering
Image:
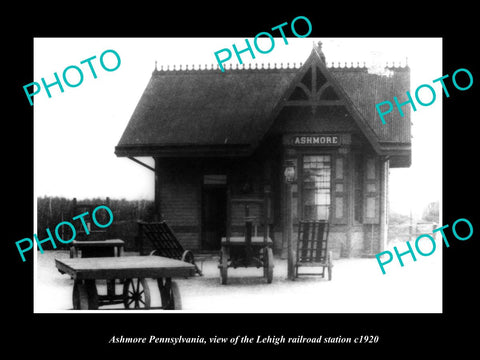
[(315, 140)]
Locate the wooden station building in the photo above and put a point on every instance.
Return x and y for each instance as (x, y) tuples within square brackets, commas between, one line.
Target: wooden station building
[(218, 135)]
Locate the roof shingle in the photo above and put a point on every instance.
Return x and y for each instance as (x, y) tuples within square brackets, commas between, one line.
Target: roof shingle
[(186, 108)]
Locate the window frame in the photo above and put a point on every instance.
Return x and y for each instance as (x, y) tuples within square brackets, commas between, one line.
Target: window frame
[(303, 183)]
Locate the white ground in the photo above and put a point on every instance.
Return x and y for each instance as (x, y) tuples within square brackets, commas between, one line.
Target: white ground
[(357, 286)]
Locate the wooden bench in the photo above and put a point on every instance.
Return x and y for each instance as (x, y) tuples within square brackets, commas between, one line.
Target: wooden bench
[(97, 248), (312, 247)]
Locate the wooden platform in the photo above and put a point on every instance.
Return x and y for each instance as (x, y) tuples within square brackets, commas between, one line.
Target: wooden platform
[(125, 267)]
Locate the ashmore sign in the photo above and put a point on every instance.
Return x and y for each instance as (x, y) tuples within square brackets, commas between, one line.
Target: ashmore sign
[(316, 139)]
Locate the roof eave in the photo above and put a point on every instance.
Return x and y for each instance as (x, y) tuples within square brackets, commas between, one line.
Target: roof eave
[(399, 154), (185, 150)]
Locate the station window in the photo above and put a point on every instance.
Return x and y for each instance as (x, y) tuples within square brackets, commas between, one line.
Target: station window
[(316, 190)]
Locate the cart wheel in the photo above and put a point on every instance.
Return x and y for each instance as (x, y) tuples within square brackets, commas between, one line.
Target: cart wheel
[(136, 294), (111, 288), (223, 266), (175, 299), (85, 296), (188, 257), (268, 265), (170, 294)]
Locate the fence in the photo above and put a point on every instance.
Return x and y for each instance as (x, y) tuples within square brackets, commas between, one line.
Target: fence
[(53, 210), (405, 232)]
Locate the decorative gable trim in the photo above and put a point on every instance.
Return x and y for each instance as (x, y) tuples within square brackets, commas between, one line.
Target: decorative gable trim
[(315, 86), (313, 91)]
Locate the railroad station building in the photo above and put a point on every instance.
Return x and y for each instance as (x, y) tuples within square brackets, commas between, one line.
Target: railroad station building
[(217, 135)]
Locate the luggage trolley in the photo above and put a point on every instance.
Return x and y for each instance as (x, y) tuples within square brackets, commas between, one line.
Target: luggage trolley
[(134, 270), (249, 250)]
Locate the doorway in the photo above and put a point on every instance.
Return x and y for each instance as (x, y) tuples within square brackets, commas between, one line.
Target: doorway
[(214, 216)]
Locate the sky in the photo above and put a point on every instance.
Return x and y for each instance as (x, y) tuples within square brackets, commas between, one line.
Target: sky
[(75, 132)]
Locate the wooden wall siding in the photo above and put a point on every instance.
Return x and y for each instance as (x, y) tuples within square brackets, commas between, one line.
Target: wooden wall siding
[(357, 243), (180, 189), (326, 119), (189, 240), (371, 238), (180, 203), (180, 200), (335, 243)]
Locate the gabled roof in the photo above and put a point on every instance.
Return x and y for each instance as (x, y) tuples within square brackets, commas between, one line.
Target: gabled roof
[(209, 112), (203, 108)]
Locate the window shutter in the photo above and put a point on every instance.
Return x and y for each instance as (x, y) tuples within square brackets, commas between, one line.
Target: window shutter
[(339, 204), (371, 210)]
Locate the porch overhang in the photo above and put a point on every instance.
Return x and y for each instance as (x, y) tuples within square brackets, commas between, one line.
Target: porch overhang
[(400, 155)]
